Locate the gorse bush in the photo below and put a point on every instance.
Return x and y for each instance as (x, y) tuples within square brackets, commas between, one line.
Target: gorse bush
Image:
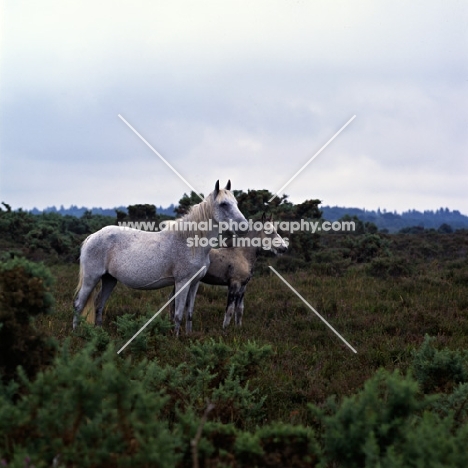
[(89, 332), (49, 235), (436, 370), (371, 422), (365, 247), (285, 445), (24, 294), (89, 411), (98, 409), (387, 424), (25, 286), (129, 324)]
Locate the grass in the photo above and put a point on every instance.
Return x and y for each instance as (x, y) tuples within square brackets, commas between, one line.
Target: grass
[(385, 319)]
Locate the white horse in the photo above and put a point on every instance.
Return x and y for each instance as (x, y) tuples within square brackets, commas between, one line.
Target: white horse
[(153, 260)]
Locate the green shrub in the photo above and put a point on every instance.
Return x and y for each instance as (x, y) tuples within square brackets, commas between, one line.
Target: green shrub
[(367, 425), (389, 424), (436, 370), (89, 332), (222, 374), (288, 445), (248, 449), (49, 235), (88, 409), (453, 405), (96, 407), (129, 324), (24, 293), (363, 248), (25, 286)]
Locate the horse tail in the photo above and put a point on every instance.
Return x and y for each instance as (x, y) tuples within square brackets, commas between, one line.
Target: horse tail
[(89, 308)]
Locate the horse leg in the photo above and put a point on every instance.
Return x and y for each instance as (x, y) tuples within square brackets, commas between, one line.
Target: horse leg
[(240, 306), (84, 295), (172, 305), (108, 284), (231, 303), (180, 303), (190, 305)]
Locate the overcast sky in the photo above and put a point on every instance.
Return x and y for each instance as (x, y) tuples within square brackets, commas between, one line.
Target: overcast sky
[(241, 90)]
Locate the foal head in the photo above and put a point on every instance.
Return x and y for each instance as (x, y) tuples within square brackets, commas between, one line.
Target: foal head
[(271, 240)]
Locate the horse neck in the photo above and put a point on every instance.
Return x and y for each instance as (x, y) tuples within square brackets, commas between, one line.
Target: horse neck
[(254, 252), (201, 213)]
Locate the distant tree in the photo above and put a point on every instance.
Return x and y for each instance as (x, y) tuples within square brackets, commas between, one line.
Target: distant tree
[(445, 228), (7, 206), (255, 202), (186, 202), (121, 215), (140, 211), (361, 227), (412, 230), (308, 209)]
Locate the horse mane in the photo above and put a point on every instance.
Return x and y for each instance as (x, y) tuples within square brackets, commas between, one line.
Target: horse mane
[(200, 213)]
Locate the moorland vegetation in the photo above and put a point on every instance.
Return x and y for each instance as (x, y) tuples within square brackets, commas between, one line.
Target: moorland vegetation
[(280, 391)]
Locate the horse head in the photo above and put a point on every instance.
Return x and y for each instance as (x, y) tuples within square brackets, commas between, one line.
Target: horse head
[(224, 206), (271, 240)]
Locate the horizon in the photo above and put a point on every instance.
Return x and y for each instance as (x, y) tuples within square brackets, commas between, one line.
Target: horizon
[(160, 206)]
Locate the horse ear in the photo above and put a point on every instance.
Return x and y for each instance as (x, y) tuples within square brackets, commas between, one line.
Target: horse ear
[(216, 190), (228, 185)]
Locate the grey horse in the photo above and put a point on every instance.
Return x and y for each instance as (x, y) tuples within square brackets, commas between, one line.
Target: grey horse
[(153, 260)]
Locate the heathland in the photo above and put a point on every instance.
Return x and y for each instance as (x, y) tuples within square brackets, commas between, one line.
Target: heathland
[(282, 390)]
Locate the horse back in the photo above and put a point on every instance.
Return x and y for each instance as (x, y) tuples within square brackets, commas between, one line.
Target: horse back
[(132, 256)]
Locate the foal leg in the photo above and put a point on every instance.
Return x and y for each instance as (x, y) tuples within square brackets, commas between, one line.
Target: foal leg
[(240, 306), (108, 284), (233, 293)]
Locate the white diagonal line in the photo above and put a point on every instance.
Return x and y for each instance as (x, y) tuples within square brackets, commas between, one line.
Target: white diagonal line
[(313, 157), (313, 310), (159, 311), (157, 154)]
